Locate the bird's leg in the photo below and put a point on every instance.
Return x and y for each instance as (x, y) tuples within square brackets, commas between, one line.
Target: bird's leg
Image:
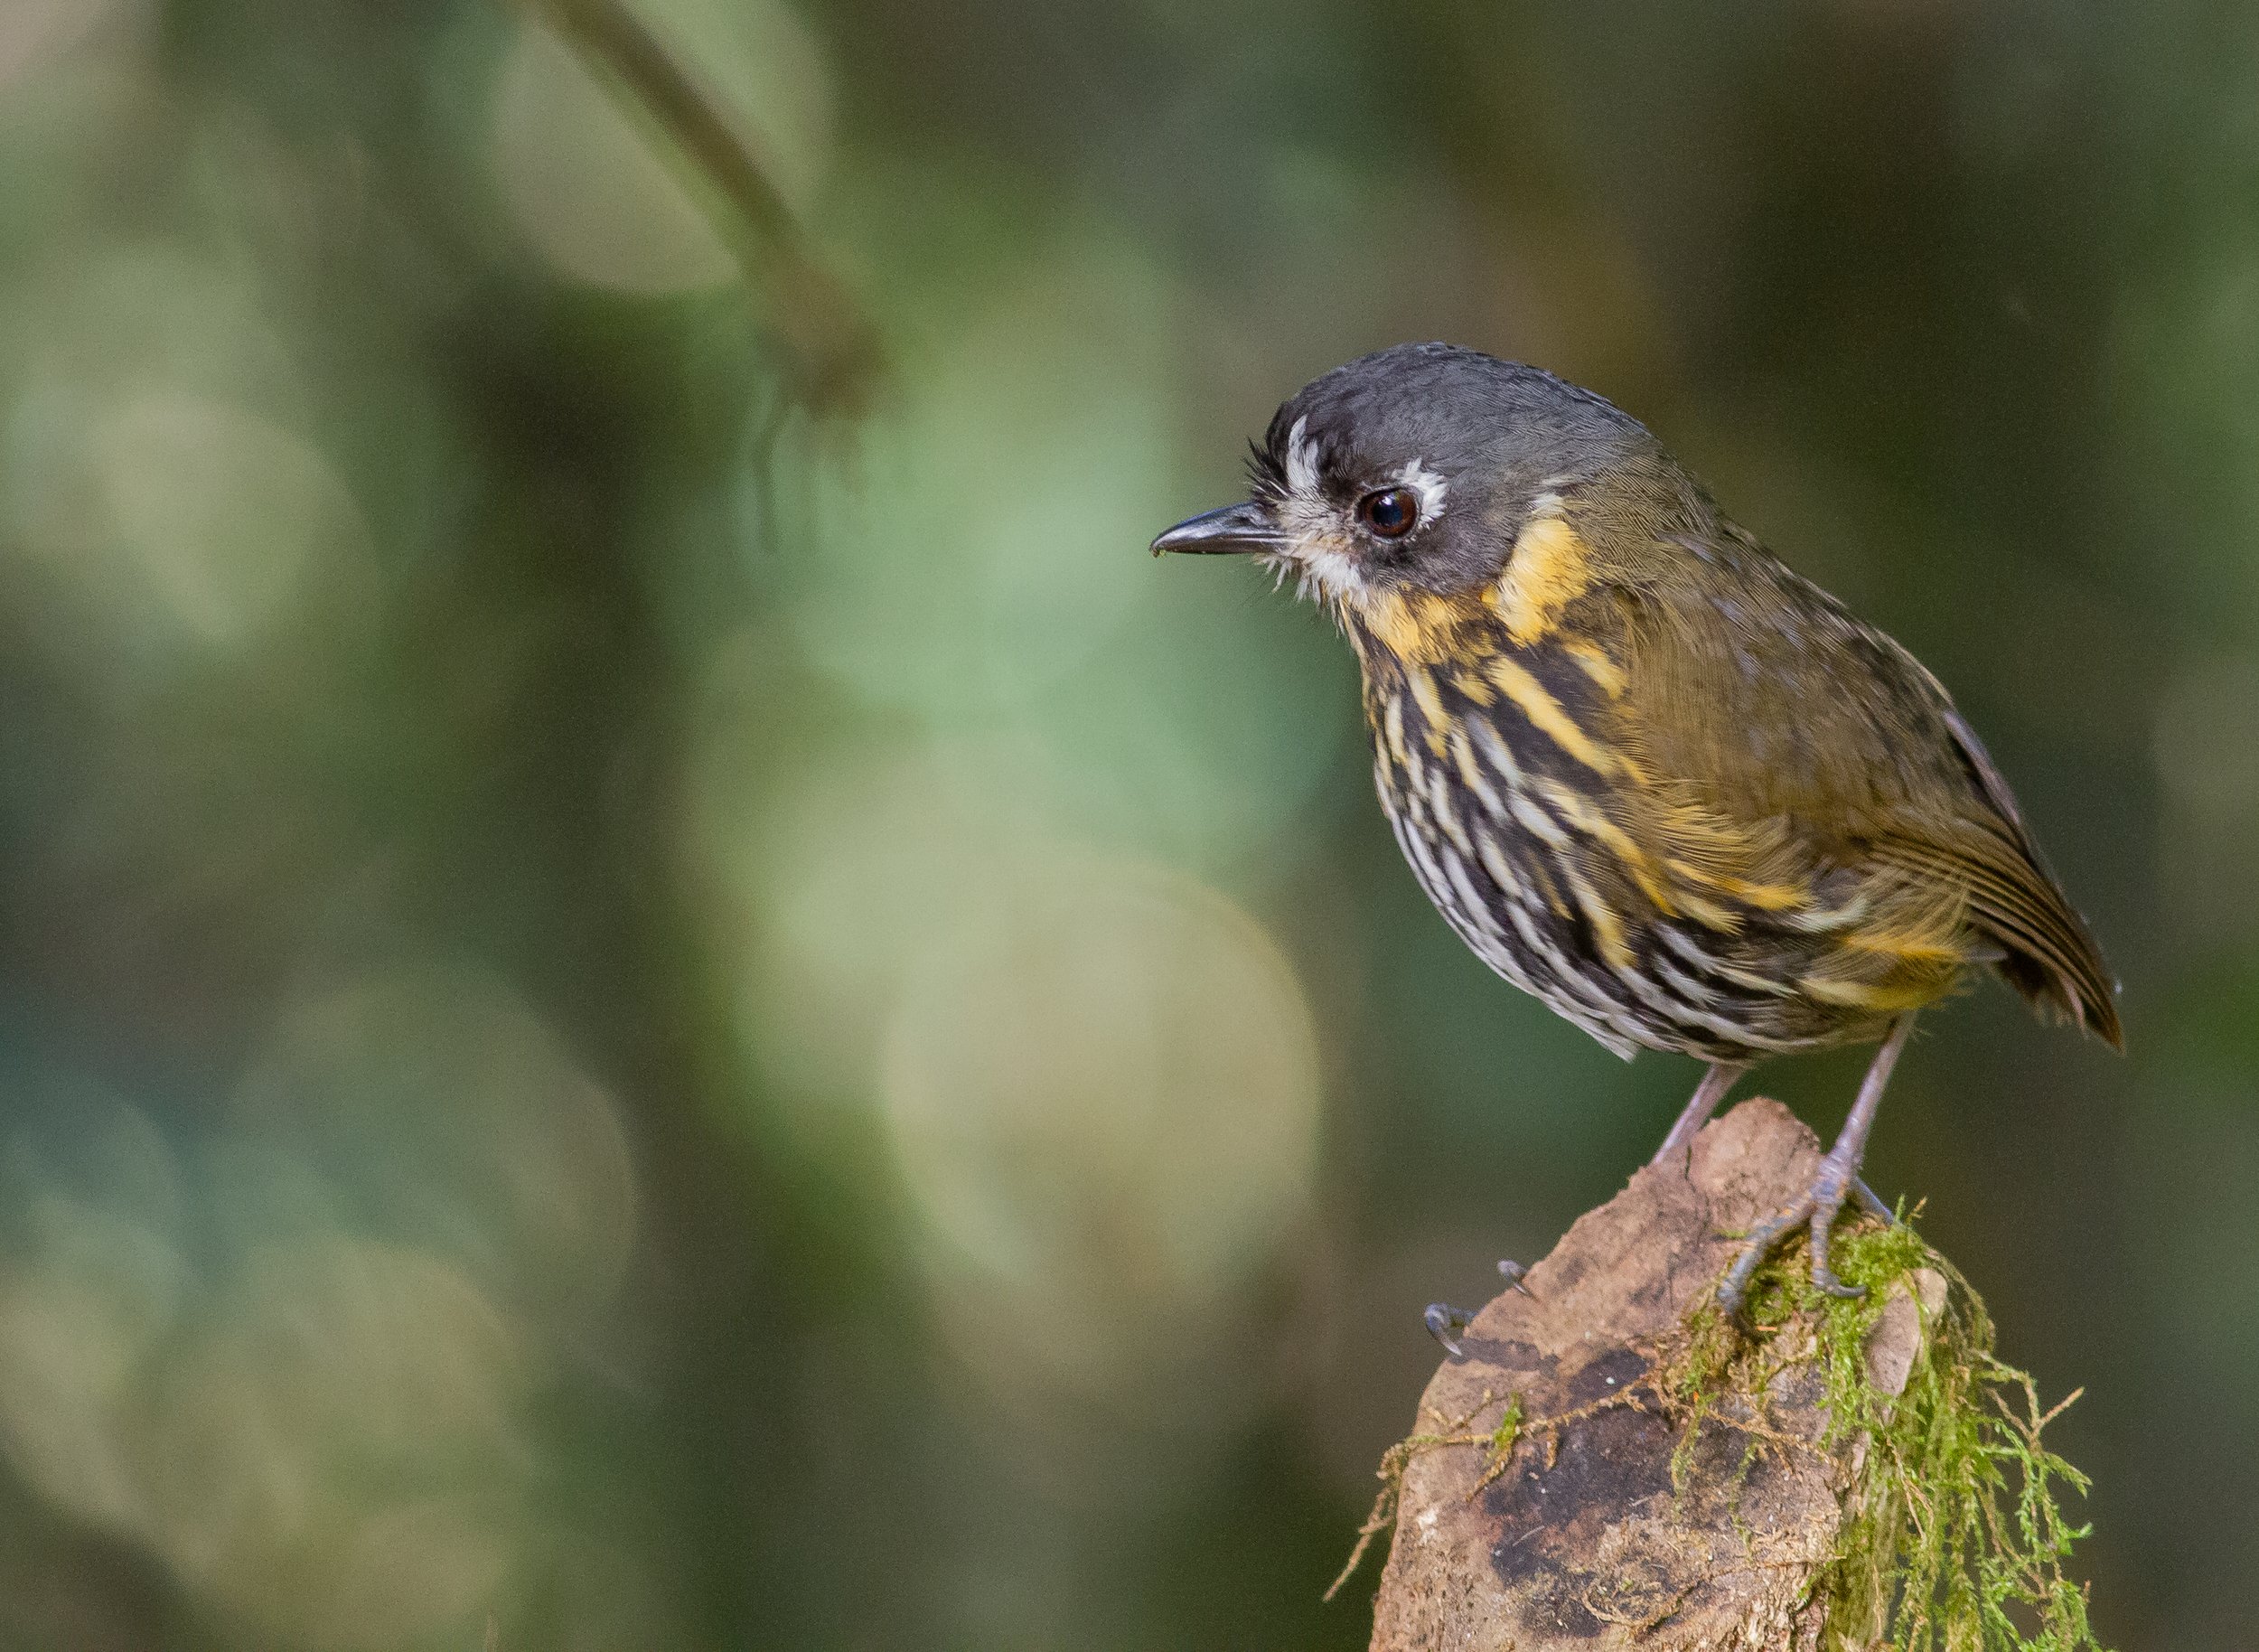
[(1821, 1202), (1699, 1107), (1840, 1168), (1716, 1084)]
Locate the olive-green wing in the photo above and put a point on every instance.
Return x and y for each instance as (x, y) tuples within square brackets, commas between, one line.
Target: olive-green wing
[(2052, 958), (1824, 743)]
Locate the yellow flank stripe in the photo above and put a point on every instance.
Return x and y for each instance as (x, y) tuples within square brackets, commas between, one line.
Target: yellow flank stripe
[(1608, 929), (1914, 949), (1473, 687), (1754, 981), (1548, 568), (1430, 698), (1393, 726), (1710, 915), (1471, 771), (1597, 665), (1764, 897), (1546, 715), (1862, 995), (1545, 885), (1583, 815)]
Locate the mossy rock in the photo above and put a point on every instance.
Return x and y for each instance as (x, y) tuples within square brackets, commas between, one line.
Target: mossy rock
[(1613, 1463)]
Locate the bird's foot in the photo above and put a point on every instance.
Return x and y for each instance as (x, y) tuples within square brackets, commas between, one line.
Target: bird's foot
[(1816, 1210), (1445, 1323)]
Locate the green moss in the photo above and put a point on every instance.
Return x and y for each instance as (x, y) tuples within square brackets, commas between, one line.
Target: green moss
[(1957, 1540), (1508, 1431)]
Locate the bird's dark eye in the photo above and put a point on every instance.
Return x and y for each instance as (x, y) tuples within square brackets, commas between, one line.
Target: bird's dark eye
[(1389, 512)]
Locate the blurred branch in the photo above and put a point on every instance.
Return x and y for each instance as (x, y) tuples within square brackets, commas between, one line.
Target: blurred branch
[(833, 342)]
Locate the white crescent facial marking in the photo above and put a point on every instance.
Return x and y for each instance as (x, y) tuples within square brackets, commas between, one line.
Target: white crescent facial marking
[(1301, 461), (1432, 489), (1320, 548)]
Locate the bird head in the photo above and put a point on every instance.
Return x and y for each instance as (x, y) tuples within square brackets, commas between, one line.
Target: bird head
[(1412, 471)]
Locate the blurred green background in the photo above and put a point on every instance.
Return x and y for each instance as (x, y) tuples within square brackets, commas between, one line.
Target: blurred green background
[(679, 1024)]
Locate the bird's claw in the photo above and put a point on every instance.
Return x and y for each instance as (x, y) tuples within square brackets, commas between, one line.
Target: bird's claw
[(1872, 1202), (1443, 1321), (1817, 1209), (1755, 1248)]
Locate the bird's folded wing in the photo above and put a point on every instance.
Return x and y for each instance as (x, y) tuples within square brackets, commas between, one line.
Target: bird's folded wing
[(1779, 723)]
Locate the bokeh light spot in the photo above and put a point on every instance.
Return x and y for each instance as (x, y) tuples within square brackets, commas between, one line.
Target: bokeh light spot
[(34, 31), (342, 1384), (985, 536), (1103, 1094), (447, 1115), (219, 512), (179, 525)]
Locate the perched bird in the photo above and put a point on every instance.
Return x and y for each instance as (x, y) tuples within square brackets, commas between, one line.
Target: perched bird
[(1646, 772)]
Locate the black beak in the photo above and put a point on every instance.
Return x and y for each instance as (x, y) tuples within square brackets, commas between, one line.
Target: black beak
[(1240, 530)]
